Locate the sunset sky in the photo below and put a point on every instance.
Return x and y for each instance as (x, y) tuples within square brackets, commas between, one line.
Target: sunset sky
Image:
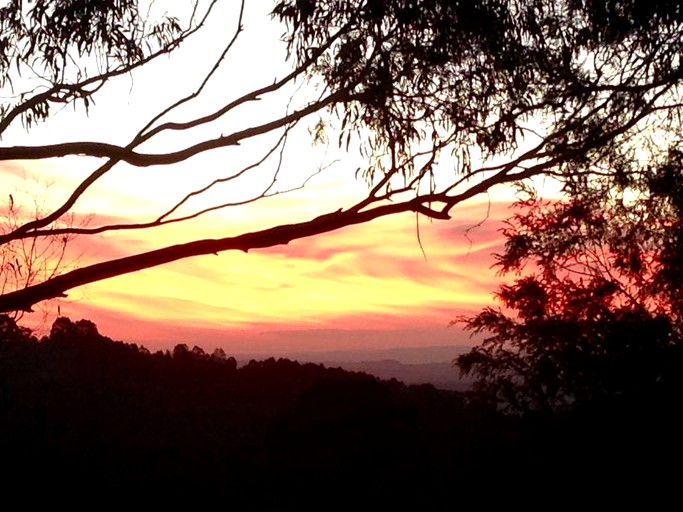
[(364, 287)]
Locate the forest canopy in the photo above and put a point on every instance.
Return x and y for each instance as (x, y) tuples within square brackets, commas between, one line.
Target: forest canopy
[(595, 312)]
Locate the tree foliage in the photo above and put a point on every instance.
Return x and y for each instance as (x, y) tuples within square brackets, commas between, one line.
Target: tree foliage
[(596, 312), (444, 100), (477, 73), (74, 47)]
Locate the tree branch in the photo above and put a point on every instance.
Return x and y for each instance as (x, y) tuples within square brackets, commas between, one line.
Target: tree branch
[(280, 235), (124, 154), (79, 89)]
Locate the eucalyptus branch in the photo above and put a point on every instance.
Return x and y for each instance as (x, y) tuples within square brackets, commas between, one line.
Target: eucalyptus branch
[(60, 92)]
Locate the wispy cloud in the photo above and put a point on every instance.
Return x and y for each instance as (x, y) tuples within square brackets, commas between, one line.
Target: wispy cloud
[(368, 278)]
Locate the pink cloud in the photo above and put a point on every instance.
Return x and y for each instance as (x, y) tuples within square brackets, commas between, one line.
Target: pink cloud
[(282, 298), (344, 333), (13, 169)]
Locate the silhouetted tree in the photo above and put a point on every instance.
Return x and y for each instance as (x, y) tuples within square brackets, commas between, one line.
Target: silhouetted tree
[(182, 352), (65, 330), (597, 310), (442, 99), (11, 332)]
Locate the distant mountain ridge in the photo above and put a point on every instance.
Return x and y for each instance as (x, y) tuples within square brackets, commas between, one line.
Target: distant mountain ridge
[(405, 355), (413, 365), (441, 375)]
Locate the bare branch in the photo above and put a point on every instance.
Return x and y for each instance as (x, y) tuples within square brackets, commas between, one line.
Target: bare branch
[(124, 154)]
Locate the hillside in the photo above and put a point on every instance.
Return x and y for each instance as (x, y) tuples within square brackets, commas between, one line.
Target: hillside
[(110, 418), (415, 365), (78, 406)]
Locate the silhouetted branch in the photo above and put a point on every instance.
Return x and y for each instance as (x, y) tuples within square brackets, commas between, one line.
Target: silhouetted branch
[(65, 92)]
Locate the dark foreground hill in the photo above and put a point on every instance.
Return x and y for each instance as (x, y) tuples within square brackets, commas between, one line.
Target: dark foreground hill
[(82, 415)]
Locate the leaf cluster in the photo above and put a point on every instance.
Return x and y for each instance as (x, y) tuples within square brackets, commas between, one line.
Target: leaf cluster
[(474, 72), (64, 43), (596, 310)]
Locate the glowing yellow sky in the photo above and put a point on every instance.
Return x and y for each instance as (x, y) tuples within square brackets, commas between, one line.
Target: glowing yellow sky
[(371, 277), (365, 279)]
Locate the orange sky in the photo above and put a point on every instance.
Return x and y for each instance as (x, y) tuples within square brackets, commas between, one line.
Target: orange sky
[(364, 287)]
